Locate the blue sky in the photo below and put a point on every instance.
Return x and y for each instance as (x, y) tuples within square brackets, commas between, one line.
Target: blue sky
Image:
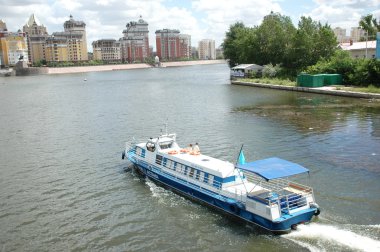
[(202, 19)]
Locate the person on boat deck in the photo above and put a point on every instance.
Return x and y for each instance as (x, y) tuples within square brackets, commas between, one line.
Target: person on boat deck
[(196, 148), (189, 148)]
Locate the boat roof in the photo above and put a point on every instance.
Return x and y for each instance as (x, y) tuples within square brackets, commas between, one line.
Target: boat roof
[(216, 166), (273, 168)]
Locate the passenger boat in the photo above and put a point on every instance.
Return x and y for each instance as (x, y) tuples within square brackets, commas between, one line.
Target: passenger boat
[(258, 192)]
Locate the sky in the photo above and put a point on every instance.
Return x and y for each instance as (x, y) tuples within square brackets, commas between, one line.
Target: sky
[(202, 19)]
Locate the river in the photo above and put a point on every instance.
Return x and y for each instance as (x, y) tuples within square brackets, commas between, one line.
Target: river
[(64, 186)]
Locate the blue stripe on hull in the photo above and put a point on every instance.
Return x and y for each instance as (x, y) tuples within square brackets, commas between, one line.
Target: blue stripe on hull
[(222, 204)]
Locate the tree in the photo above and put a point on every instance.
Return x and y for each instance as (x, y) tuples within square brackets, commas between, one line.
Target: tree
[(273, 39), (230, 44), (370, 25)]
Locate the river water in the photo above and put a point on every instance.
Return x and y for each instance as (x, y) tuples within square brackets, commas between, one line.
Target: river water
[(64, 186)]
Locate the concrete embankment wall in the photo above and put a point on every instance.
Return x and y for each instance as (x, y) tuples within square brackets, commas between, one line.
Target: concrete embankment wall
[(310, 90), (31, 71), (85, 69)]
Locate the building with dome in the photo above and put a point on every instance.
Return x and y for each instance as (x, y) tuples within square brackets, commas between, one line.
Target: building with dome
[(135, 42), (69, 45)]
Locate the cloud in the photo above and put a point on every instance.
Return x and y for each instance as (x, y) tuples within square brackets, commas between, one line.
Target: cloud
[(344, 13), (199, 18), (219, 15)]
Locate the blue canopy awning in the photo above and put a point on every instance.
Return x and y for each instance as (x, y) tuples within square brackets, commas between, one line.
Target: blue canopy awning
[(273, 168)]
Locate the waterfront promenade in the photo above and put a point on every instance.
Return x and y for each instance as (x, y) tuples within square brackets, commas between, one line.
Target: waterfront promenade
[(322, 90), (84, 69)]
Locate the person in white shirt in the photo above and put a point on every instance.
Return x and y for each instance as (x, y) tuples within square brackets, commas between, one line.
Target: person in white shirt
[(196, 148), (190, 148)]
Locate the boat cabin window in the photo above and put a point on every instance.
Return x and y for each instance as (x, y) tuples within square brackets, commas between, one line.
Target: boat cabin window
[(182, 168), (158, 159), (150, 146), (191, 174), (210, 179), (166, 145), (201, 176)]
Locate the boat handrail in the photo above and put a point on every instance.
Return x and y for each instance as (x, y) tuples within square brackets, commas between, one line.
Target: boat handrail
[(279, 185)]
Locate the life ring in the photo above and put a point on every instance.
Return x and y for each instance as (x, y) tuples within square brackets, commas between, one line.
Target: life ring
[(184, 151), (194, 153), (173, 152)]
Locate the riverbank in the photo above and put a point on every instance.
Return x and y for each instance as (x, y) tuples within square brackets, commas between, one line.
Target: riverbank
[(84, 69), (329, 90)]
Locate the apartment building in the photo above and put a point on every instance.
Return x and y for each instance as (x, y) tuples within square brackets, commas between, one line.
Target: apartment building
[(108, 50), (171, 45), (72, 42), (184, 46), (357, 34), (340, 34), (36, 37), (13, 47), (135, 42), (206, 49)]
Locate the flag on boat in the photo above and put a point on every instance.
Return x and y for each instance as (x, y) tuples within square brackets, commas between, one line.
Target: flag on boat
[(241, 159)]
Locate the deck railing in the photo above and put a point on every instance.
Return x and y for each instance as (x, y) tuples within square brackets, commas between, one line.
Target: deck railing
[(287, 194)]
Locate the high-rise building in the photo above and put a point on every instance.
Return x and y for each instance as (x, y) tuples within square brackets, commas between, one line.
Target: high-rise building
[(73, 38), (356, 34), (3, 33), (170, 44), (340, 35), (56, 49), (106, 50), (135, 42), (184, 46), (36, 36), (167, 44), (13, 47), (206, 49)]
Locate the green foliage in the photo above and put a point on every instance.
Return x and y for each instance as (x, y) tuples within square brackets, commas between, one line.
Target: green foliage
[(357, 72), (370, 25), (275, 81), (271, 71), (277, 41), (233, 42)]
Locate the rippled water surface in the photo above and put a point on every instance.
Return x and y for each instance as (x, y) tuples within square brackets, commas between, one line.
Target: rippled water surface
[(64, 186)]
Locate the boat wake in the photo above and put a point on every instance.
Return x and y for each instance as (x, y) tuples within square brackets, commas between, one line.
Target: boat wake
[(321, 237)]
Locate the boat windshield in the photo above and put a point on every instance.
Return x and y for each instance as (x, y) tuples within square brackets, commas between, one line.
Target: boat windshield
[(166, 145)]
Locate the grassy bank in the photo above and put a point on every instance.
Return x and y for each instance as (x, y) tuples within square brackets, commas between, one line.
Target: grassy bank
[(369, 89), (274, 81)]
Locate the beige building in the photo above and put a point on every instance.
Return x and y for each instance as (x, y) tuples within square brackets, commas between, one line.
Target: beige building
[(360, 49), (56, 49), (206, 49), (107, 50), (357, 33), (36, 36), (71, 41), (13, 47), (340, 34)]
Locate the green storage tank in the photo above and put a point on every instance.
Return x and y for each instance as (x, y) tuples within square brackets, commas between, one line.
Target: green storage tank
[(307, 80), (333, 79)]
